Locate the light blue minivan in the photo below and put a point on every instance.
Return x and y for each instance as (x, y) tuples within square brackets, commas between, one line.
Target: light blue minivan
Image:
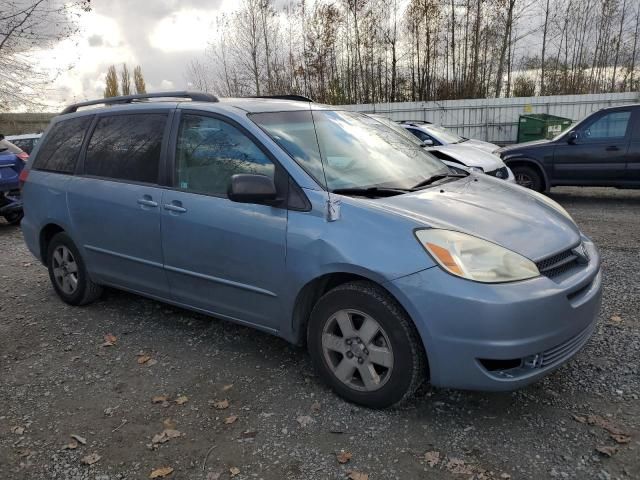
[(305, 222)]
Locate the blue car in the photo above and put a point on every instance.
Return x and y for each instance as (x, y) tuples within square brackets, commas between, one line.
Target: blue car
[(305, 222)]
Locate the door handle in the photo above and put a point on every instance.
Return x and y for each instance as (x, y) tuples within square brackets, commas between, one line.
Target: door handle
[(175, 206), (147, 202), (612, 148)]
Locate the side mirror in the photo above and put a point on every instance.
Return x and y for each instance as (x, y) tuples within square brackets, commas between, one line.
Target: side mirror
[(251, 188), (572, 138), (427, 143)]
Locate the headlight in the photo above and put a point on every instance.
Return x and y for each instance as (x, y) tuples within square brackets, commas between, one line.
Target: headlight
[(475, 259), (477, 169), (552, 203)]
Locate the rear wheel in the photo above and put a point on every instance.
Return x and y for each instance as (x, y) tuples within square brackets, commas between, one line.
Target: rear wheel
[(14, 218), (68, 273), (528, 177), (364, 346)]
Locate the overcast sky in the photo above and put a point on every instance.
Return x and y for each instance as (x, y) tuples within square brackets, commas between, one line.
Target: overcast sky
[(161, 36)]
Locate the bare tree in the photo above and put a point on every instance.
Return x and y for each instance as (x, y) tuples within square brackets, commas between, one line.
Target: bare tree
[(125, 80), (28, 26), (111, 83), (138, 80)]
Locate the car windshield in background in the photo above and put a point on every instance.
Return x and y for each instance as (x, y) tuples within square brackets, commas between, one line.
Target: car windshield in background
[(372, 119), (355, 153), (444, 135)]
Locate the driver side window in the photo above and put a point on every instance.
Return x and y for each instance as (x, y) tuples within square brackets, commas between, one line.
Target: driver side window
[(611, 125), (210, 151)]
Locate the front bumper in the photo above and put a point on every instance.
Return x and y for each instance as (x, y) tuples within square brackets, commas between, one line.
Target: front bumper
[(502, 336)]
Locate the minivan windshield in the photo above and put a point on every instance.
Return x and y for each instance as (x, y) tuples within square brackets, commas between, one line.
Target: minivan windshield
[(341, 151)]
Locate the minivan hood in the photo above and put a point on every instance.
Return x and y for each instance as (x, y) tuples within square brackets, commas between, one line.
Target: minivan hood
[(495, 210)]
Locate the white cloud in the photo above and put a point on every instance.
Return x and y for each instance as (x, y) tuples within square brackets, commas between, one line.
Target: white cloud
[(184, 30)]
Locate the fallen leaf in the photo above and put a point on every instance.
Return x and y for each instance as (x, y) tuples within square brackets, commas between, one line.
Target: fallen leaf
[(221, 404), (227, 387), (230, 419), (182, 399), (315, 407), (579, 418), (620, 438), (605, 424), (151, 362), (305, 420), (353, 475), (458, 467), (166, 435), (249, 434), (615, 318), (80, 439), (17, 430), (72, 445), (343, 457), (608, 451), (432, 458), (505, 476), (161, 472), (143, 358), (91, 459), (160, 399), (169, 423), (234, 471), (109, 340), (25, 452)]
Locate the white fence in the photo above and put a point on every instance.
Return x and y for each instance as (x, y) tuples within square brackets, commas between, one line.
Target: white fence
[(495, 119)]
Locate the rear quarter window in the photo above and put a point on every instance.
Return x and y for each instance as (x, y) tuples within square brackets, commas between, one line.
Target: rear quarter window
[(126, 147), (60, 148)]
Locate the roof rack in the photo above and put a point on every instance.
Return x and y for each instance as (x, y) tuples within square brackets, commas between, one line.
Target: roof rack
[(194, 96), (424, 122), (299, 98)]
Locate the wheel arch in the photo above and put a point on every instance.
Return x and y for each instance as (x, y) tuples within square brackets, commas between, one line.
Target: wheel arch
[(311, 292), (46, 234), (529, 162)]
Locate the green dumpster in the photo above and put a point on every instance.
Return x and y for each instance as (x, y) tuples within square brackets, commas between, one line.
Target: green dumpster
[(538, 126)]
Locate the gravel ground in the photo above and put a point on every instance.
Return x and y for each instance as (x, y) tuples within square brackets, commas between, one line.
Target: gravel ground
[(58, 378)]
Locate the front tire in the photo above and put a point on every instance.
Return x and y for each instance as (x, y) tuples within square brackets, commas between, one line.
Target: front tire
[(68, 272), (528, 177), (364, 345)]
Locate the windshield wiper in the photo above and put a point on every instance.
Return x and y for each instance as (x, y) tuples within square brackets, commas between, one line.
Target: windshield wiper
[(435, 178), (371, 191)]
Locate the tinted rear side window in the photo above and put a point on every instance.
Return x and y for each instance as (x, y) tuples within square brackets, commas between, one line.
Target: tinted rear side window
[(60, 148), (126, 147)]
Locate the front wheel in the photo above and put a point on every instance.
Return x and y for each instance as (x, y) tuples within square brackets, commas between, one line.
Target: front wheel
[(364, 346), (68, 272), (528, 177)]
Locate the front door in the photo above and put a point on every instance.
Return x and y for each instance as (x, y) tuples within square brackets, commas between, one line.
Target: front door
[(599, 153), (223, 257), (115, 202)]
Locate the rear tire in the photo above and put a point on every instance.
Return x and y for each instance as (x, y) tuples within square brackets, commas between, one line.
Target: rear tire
[(358, 327), (14, 218), (528, 177), (68, 272)]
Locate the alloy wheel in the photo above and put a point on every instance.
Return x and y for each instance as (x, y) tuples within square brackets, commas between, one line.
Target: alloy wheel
[(65, 270), (357, 350), (524, 180)]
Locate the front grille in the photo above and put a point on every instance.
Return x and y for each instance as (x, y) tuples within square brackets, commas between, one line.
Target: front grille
[(499, 173), (558, 264)]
